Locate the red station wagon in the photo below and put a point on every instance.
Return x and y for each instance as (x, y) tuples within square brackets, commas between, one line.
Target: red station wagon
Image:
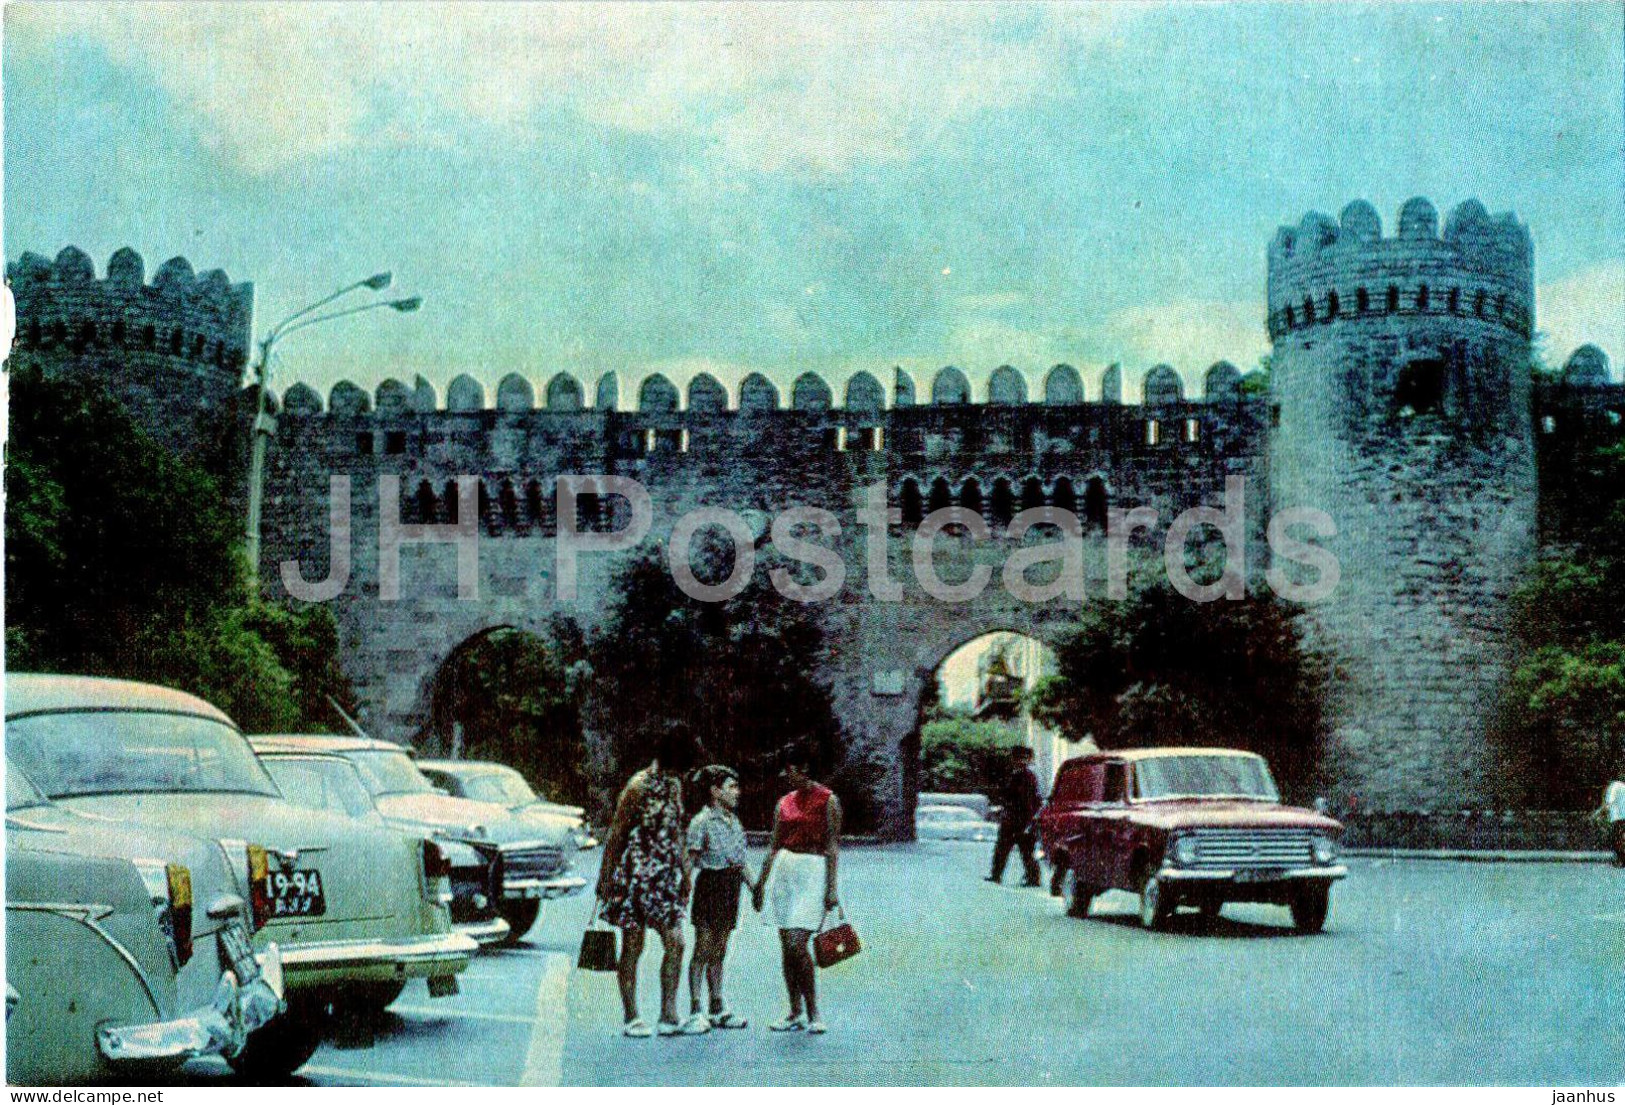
[(1186, 826)]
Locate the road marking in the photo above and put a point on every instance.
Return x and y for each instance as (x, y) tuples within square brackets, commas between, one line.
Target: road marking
[(458, 1014), (370, 1076), (544, 1060)]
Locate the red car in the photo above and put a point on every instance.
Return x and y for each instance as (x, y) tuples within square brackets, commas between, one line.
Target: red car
[(1186, 826)]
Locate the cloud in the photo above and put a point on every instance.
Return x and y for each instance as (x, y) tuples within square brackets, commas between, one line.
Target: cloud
[(765, 86), (1588, 306), (1189, 334)]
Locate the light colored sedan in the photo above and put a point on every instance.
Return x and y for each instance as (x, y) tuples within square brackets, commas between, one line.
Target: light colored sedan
[(327, 782), (952, 823), (356, 909), (538, 852), (485, 781), (223, 993)]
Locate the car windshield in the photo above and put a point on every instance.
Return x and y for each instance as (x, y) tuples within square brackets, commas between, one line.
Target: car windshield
[(133, 752), (321, 783), (20, 793), (389, 772), (1166, 777), (508, 789)]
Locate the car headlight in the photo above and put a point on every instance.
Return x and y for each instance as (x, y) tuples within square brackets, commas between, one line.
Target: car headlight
[(1184, 851), (1324, 849)]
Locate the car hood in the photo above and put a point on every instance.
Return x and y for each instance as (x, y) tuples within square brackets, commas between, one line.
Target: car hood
[(1231, 813), (456, 815)]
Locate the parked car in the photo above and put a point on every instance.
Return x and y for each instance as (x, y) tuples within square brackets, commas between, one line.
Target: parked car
[(538, 851), (976, 803), (222, 992), (323, 781), (484, 781), (952, 823), (1187, 826), (356, 909)]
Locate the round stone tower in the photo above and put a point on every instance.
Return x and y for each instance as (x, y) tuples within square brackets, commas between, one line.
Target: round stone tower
[(1401, 368), (172, 351)]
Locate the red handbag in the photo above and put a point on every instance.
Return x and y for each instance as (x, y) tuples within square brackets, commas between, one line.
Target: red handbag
[(833, 945)]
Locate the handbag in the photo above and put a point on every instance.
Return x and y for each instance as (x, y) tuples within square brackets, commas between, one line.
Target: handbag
[(833, 945), (598, 944)]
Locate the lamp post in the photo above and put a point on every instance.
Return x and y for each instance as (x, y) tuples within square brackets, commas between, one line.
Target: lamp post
[(263, 422)]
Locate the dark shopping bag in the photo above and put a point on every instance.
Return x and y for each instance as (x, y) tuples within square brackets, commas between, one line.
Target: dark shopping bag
[(832, 946), (598, 952)]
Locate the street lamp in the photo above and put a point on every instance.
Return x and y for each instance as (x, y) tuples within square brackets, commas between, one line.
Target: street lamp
[(263, 423)]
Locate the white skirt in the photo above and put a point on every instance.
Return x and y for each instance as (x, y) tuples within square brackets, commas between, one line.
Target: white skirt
[(795, 891)]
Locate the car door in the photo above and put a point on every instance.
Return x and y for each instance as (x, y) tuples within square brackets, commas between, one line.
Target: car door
[(1109, 827)]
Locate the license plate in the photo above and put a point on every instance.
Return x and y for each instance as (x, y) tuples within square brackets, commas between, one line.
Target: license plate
[(297, 893), (238, 953), (1260, 874)]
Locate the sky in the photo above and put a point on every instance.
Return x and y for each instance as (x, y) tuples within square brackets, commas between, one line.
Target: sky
[(686, 188)]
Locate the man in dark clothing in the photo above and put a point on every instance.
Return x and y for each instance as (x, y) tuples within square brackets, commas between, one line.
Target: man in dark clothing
[(1016, 830)]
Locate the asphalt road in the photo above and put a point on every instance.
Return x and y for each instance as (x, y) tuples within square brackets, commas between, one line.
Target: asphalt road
[(1428, 973)]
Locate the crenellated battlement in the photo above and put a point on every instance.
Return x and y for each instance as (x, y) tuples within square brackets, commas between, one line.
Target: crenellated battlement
[(1481, 269), (861, 394), (63, 309)]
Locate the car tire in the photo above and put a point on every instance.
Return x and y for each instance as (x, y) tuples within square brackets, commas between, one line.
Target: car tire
[(281, 1047), (1309, 908), (520, 915), (1078, 896), (1157, 901), (370, 998)]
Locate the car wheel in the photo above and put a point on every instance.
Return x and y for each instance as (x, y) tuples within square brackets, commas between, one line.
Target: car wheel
[(520, 915), (1078, 897), (281, 1047), (1309, 908), (370, 998), (1157, 901)]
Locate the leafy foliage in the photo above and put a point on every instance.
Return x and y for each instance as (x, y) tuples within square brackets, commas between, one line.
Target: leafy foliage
[(1159, 669), (518, 698), (736, 672), (1568, 693), (123, 560), (963, 756)]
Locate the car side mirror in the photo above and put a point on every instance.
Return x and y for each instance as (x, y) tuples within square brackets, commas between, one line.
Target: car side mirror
[(1321, 805)]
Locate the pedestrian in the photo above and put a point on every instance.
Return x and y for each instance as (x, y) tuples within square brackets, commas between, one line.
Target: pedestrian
[(645, 878), (716, 851), (1021, 804), (1613, 809), (798, 883)]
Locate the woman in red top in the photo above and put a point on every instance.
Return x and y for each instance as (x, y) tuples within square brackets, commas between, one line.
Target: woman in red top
[(798, 883)]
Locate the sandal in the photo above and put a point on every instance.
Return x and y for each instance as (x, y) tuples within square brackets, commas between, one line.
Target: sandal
[(696, 1025), (728, 1019), (668, 1028), (790, 1024), (817, 1028), (637, 1028)]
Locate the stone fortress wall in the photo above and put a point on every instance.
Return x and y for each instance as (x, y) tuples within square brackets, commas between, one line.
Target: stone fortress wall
[(1400, 403), (174, 349)]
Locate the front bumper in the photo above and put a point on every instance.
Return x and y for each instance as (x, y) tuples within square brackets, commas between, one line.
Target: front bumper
[(558, 886), (484, 933), (220, 1028), (345, 961), (1243, 876)]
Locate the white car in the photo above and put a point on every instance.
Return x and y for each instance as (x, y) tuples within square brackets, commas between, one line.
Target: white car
[(952, 823)]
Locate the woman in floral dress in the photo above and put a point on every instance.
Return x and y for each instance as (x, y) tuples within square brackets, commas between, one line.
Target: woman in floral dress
[(644, 880)]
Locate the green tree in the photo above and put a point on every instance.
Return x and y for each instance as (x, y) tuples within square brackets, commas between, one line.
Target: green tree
[(736, 672), (518, 698), (1159, 669), (963, 756), (123, 559)]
